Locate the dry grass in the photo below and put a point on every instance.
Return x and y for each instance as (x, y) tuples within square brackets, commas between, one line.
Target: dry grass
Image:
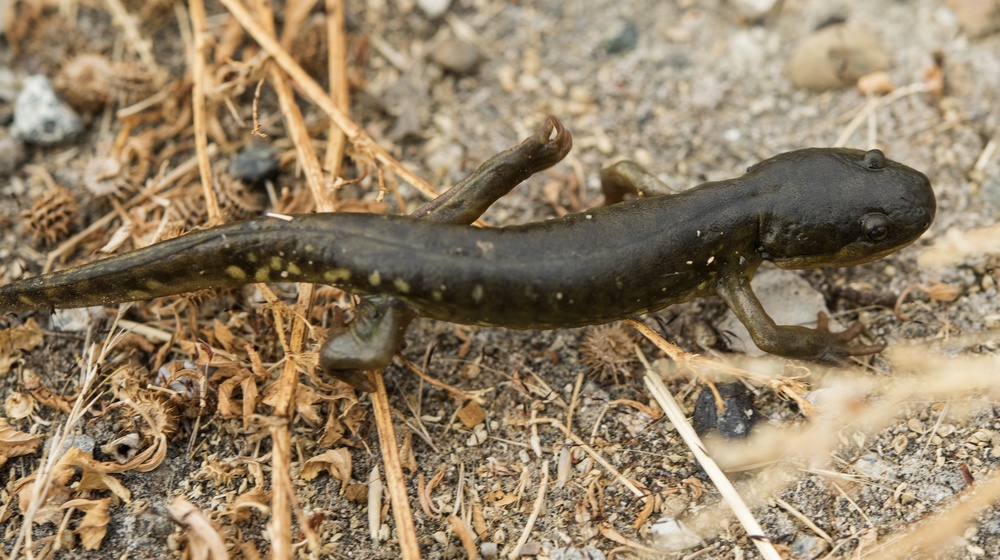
[(251, 377)]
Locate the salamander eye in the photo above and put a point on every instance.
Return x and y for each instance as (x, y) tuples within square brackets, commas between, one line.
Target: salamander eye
[(874, 159), (876, 226)]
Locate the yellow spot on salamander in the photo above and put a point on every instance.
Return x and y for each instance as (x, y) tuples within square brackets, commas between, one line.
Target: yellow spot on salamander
[(402, 285), (154, 285), (138, 294), (337, 275), (293, 269), (26, 300), (232, 271), (436, 295), (276, 263), (252, 257), (263, 274), (374, 278), (477, 293)]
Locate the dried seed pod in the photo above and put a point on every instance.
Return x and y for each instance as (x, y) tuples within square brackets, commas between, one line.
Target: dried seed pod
[(309, 46), (89, 82), (608, 350), (51, 217), (236, 200), (103, 176)]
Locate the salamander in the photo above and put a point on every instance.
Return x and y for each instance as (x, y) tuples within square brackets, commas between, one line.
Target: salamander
[(808, 208)]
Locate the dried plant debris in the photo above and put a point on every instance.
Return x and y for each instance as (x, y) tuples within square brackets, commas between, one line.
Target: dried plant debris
[(14, 443), (52, 217), (609, 350), (90, 82), (217, 402), (14, 341)]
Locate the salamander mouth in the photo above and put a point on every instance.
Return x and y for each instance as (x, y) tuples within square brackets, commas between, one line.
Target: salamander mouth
[(847, 256)]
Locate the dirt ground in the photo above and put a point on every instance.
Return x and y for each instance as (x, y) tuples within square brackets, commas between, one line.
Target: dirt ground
[(900, 457)]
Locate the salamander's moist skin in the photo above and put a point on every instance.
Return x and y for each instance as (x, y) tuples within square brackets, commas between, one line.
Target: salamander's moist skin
[(808, 208)]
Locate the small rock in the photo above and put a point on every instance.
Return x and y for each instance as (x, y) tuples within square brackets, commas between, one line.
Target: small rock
[(623, 40), (489, 550), (75, 320), (834, 57), (807, 546), (875, 83), (82, 442), (477, 438), (977, 18), (989, 192), (40, 117), (788, 299), (933, 493), (531, 548), (752, 10), (874, 467), (255, 164), (748, 48), (434, 8), (991, 526), (672, 535), (836, 401), (443, 160), (456, 56), (736, 420), (8, 84), (574, 553), (11, 155)]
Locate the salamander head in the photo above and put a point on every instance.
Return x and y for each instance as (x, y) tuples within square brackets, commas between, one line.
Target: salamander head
[(838, 207)]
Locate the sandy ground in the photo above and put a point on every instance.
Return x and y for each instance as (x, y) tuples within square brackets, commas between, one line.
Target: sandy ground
[(700, 96)]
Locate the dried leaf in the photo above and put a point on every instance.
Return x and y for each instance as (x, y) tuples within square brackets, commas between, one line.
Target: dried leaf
[(204, 541), (305, 404), (45, 396), (333, 431), (255, 498), (939, 291), (14, 443), (50, 509), (225, 336), (335, 461), (228, 406), (250, 395), (19, 406), (15, 339), (353, 416), (305, 401), (94, 524), (407, 456)]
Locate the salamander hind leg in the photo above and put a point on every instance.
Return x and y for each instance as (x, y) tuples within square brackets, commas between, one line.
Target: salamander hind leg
[(628, 177), (376, 333), (368, 342)]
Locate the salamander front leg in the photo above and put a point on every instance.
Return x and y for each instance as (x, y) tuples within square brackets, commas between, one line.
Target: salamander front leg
[(379, 326), (790, 341)]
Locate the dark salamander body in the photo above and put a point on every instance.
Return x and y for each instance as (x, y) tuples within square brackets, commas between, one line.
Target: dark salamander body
[(803, 209)]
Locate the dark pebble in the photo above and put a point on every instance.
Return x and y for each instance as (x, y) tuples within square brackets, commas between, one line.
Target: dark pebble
[(255, 164), (738, 418), (625, 40)]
